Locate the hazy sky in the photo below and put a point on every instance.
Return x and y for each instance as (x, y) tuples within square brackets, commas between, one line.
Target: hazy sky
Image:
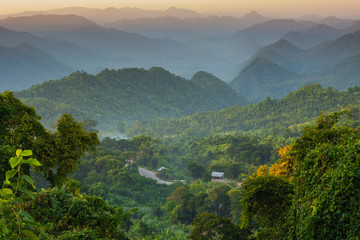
[(273, 7)]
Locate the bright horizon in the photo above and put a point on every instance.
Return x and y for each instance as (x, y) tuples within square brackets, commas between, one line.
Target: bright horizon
[(280, 8)]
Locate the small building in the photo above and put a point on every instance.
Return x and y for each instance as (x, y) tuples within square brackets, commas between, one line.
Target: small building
[(217, 175), (160, 169)]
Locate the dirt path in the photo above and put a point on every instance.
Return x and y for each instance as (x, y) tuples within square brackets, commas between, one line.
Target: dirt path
[(152, 175)]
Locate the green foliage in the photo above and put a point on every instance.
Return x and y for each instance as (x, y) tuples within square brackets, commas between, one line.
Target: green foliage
[(15, 222), (186, 203), (196, 170), (210, 226), (266, 200), (232, 154), (106, 174), (269, 117), (127, 95), (60, 152), (326, 176), (66, 216), (19, 128)]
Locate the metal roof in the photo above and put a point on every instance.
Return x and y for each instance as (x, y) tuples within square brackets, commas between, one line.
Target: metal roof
[(217, 174), (160, 169)]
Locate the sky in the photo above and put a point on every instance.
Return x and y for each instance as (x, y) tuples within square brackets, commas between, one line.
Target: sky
[(284, 8)]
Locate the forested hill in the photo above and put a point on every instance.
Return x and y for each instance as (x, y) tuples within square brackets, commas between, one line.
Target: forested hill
[(129, 95), (268, 116)]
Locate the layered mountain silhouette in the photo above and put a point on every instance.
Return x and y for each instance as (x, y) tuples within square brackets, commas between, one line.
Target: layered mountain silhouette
[(281, 67), (318, 58), (111, 14), (299, 47), (320, 33), (115, 48), (338, 22), (68, 53), (24, 65), (189, 28)]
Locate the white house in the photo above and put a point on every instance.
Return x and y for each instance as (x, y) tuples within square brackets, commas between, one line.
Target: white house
[(160, 169)]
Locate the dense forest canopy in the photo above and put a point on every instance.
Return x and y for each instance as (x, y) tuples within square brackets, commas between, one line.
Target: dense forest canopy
[(129, 95), (266, 117)]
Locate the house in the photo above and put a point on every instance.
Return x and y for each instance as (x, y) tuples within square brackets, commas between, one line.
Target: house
[(160, 169), (217, 175)]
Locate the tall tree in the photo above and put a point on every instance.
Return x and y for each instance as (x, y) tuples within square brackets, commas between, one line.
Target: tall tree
[(60, 152), (210, 226), (326, 174)]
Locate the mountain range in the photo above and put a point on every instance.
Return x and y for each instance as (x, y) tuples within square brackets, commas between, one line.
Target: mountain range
[(318, 34), (223, 46), (110, 47), (186, 29), (282, 67), (23, 66), (112, 14)]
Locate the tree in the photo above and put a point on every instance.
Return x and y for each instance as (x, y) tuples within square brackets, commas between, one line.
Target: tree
[(326, 174), (195, 169), (20, 127), (147, 150), (60, 152), (235, 198), (89, 125), (209, 226), (266, 200), (220, 200)]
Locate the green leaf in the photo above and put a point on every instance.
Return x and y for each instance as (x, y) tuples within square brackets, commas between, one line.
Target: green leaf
[(26, 153), (31, 161), (26, 215), (18, 200), (30, 235), (18, 152), (14, 161), (9, 174), (27, 192), (6, 192), (28, 179)]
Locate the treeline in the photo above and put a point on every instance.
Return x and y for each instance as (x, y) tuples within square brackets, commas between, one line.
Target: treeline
[(128, 95), (270, 117)]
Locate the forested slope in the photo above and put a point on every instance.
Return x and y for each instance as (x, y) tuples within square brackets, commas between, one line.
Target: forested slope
[(129, 95), (268, 116)]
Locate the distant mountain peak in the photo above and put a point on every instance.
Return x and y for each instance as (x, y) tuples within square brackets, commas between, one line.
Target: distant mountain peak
[(283, 44), (331, 18), (173, 8), (184, 13), (323, 26), (255, 16), (252, 14)]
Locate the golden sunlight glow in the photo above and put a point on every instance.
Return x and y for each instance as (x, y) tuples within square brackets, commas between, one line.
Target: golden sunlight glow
[(273, 7)]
